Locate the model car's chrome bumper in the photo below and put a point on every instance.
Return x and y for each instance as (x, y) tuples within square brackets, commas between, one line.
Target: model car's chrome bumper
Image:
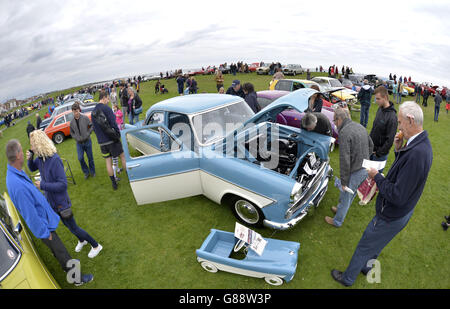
[(314, 202)]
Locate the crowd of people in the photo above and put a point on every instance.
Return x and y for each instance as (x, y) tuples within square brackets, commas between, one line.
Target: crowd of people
[(399, 190)]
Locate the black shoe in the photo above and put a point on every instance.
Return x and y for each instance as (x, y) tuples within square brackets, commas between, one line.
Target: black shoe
[(114, 185), (86, 176), (447, 218), (337, 275), (85, 279), (444, 225), (365, 271)]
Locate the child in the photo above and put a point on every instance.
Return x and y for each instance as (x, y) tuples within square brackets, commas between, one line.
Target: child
[(157, 87), (119, 116), (163, 89)]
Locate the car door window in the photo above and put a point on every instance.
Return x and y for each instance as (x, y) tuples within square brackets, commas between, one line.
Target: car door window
[(180, 126), (297, 85), (263, 102), (6, 219), (156, 118), (283, 85), (59, 121), (69, 117), (150, 141)]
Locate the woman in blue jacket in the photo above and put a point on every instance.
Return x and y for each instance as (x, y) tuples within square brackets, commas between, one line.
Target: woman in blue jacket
[(53, 182)]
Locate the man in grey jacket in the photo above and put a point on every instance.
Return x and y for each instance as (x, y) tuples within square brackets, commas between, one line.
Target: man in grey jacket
[(80, 130), (355, 145)]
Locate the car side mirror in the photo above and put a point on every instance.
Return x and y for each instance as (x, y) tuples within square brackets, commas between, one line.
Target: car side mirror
[(18, 228)]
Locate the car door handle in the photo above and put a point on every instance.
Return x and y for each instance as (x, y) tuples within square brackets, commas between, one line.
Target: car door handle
[(133, 166)]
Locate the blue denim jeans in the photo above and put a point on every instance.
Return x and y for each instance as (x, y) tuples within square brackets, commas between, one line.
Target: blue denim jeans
[(81, 234), (399, 98), (376, 236), (346, 198), (364, 117), (436, 113), (81, 149), (133, 118)]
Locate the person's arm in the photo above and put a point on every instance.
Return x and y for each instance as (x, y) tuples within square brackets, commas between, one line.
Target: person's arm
[(58, 183), (391, 127), (409, 177), (344, 160), (32, 163), (25, 204), (90, 127)]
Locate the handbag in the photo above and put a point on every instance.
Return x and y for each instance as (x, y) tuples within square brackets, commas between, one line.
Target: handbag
[(367, 191), (66, 213)]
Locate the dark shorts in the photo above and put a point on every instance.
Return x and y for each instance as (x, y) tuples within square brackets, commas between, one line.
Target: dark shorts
[(111, 150)]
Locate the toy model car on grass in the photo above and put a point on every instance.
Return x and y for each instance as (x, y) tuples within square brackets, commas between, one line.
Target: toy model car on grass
[(278, 261), (213, 144)]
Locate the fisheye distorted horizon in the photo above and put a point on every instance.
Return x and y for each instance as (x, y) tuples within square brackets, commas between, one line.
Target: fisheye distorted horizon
[(49, 45)]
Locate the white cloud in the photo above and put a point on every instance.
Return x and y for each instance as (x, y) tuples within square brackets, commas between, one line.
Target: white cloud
[(46, 45)]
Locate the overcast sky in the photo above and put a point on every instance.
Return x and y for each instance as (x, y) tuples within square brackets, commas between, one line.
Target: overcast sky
[(51, 45)]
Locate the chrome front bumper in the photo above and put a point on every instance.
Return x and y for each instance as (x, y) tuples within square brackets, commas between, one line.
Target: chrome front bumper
[(314, 202)]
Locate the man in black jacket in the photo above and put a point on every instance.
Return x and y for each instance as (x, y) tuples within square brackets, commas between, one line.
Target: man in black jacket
[(235, 89), (364, 97), (399, 193), (123, 95), (384, 126)]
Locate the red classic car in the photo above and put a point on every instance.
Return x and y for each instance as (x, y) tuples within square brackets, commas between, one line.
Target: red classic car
[(59, 127), (253, 67)]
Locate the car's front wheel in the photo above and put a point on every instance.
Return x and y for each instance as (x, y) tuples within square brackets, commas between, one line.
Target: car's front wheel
[(246, 211), (58, 137)]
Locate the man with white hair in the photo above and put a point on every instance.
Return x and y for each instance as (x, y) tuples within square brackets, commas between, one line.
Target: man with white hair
[(398, 194)]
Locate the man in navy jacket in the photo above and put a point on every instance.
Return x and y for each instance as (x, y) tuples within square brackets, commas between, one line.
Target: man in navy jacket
[(109, 147), (398, 194)]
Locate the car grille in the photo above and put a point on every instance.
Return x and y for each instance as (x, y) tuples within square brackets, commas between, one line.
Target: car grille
[(309, 191)]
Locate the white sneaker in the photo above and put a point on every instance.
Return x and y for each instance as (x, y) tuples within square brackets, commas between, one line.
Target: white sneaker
[(94, 251), (80, 245)]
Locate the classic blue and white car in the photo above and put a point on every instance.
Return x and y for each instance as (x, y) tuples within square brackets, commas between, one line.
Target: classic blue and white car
[(213, 144)]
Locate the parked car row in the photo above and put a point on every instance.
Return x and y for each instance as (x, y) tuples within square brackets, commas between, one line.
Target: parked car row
[(337, 96), (67, 106)]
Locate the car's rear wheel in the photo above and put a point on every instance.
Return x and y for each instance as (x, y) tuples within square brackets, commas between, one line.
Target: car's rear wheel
[(246, 212), (274, 280), (58, 137), (209, 267)]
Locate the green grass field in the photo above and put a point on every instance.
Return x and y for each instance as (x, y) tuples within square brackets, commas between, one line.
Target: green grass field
[(153, 246)]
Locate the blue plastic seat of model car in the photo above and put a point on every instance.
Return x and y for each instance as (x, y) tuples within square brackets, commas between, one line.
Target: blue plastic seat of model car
[(221, 244)]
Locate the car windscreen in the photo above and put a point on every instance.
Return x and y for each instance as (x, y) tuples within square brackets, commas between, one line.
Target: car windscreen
[(335, 83), (263, 102), (8, 255), (213, 125)]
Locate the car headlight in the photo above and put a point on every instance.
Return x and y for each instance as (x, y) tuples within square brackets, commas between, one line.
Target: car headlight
[(296, 192), (332, 143)]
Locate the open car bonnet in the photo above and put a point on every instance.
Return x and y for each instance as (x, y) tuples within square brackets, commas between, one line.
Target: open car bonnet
[(297, 100)]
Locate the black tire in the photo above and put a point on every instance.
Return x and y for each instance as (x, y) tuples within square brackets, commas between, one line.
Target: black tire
[(246, 212), (58, 137)]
